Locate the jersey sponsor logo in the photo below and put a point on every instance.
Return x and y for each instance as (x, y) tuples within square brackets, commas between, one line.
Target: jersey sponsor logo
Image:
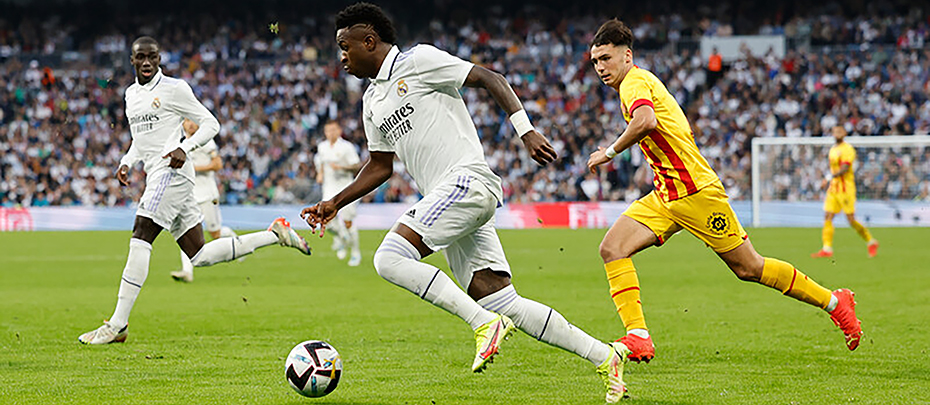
[(143, 122), (396, 125), (402, 88), (717, 223), (156, 103)]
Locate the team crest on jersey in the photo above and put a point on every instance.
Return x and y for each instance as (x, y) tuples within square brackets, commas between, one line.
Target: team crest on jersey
[(717, 223), (156, 103), (401, 88)]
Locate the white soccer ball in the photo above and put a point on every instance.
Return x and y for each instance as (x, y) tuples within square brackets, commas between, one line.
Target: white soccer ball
[(313, 368)]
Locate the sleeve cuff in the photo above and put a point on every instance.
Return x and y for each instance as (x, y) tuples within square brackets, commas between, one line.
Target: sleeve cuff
[(639, 103)]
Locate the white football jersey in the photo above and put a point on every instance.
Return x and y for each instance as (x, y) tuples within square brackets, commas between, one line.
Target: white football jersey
[(155, 112), (413, 108), (342, 153), (204, 182)]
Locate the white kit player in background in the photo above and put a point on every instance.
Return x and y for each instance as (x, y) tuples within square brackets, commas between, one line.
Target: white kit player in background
[(207, 162), (336, 162), (155, 106), (412, 109)]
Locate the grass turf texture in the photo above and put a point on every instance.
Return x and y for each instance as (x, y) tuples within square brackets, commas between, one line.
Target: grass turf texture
[(223, 338)]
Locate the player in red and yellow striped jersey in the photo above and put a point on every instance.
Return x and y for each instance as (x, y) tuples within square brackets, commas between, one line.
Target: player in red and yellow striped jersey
[(688, 195), (841, 195)]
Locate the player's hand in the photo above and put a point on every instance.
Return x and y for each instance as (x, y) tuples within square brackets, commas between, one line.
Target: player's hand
[(122, 174), (597, 158), (319, 215), (824, 183), (538, 146), (178, 157)]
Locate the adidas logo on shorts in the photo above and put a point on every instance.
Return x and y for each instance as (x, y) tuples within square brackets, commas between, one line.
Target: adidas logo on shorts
[(411, 213)]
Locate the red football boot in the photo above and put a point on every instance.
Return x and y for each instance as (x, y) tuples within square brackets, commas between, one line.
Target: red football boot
[(844, 316), (822, 253), (640, 349), (873, 248)]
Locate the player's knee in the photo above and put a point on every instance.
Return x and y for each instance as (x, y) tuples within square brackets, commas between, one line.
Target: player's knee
[(747, 270), (611, 250), (388, 260)]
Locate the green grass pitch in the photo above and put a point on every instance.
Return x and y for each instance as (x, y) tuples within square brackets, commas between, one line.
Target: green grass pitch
[(223, 339)]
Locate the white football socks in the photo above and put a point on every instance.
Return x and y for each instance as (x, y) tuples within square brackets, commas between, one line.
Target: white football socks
[(134, 274), (186, 265), (398, 261), (545, 324), (226, 249), (227, 232), (832, 304)]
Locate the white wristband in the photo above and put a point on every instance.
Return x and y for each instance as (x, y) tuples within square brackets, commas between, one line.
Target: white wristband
[(521, 122), (610, 152)]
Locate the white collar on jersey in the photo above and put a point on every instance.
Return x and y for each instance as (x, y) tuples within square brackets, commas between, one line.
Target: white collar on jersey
[(152, 83), (388, 64)]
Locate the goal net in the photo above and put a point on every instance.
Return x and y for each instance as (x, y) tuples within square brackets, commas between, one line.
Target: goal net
[(892, 180)]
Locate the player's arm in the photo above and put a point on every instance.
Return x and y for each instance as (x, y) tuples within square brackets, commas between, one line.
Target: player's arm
[(187, 105), (642, 123), (128, 160), (376, 171), (495, 83)]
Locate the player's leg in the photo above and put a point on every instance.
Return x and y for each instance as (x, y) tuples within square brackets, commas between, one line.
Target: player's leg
[(336, 227), (348, 219), (826, 236), (642, 225), (226, 249), (748, 265), (453, 209), (134, 274), (708, 216), (478, 262), (849, 208)]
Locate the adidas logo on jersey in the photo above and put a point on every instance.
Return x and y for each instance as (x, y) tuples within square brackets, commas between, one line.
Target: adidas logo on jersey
[(411, 213)]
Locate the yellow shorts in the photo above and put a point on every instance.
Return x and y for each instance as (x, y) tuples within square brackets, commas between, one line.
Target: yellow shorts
[(706, 214), (837, 202)]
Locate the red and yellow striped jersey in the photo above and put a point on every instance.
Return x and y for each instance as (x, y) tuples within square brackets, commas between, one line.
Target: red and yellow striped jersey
[(679, 168), (842, 154)]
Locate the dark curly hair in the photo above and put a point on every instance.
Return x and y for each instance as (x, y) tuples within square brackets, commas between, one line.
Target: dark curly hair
[(370, 14), (613, 32)]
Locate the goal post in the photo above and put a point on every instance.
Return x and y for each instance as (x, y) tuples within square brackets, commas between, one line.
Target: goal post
[(892, 179)]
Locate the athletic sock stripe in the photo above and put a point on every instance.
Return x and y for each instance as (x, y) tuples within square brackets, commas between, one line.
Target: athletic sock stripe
[(131, 283), (793, 276), (393, 250), (502, 303), (623, 291), (545, 325), (233, 240), (407, 251), (493, 303), (425, 290)]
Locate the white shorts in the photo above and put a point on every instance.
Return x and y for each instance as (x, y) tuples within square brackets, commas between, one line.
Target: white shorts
[(168, 200), (457, 217), (212, 220)]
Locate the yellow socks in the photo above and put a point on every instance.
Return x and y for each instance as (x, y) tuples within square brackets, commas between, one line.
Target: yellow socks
[(624, 290), (791, 282), (861, 230), (828, 235)]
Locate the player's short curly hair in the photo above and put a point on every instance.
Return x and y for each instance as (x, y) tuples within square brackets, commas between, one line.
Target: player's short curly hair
[(370, 14), (613, 32)]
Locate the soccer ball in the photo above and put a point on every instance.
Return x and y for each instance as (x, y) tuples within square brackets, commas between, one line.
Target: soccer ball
[(313, 368)]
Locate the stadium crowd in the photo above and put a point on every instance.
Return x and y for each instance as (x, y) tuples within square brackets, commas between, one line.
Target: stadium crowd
[(62, 128)]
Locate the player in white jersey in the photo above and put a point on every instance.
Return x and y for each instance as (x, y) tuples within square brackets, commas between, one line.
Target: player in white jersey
[(155, 105), (336, 162), (412, 109), (206, 161)]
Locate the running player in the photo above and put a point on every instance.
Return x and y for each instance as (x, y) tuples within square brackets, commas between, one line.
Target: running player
[(206, 162), (156, 105), (413, 110), (336, 163), (841, 195), (688, 195)]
